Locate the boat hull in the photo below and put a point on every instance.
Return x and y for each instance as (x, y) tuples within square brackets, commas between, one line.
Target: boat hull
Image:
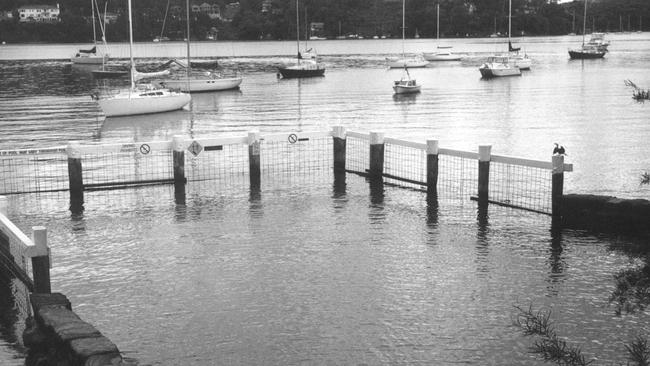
[(399, 89), (109, 74), (411, 64), (131, 103), (488, 72), (523, 63), (441, 57), (292, 72), (88, 60), (581, 55), (203, 85)]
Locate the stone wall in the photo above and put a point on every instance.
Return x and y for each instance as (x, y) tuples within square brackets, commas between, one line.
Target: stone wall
[(606, 214), (57, 336)]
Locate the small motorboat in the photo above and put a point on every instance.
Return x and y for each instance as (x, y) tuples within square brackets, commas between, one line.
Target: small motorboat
[(498, 66)]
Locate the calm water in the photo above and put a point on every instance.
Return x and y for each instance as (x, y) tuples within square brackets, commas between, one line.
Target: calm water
[(308, 273)]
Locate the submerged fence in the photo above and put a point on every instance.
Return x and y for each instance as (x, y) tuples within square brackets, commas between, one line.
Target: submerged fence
[(515, 182)]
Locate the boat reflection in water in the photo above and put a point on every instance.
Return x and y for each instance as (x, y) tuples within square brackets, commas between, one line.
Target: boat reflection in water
[(146, 127), (408, 98)]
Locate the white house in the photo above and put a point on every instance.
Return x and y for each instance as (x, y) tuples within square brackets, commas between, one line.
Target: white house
[(39, 13)]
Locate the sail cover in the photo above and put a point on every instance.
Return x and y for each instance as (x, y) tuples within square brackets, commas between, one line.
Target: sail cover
[(512, 49), (92, 50)]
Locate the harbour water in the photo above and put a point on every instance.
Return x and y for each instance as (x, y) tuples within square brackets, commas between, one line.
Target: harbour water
[(308, 273)]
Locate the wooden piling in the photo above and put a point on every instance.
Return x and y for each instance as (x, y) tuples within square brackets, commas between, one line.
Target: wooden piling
[(557, 185), (484, 156), (339, 141), (376, 165), (75, 177), (41, 261), (179, 169), (254, 160), (432, 168)]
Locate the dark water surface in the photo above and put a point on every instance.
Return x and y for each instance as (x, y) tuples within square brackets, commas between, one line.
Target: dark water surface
[(311, 273)]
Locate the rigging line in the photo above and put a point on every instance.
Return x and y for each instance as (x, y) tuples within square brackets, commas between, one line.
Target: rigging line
[(162, 31)]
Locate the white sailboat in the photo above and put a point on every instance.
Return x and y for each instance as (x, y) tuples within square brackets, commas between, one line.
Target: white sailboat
[(91, 56), (417, 61), (140, 98), (405, 85), (208, 81), (516, 59), (440, 55)]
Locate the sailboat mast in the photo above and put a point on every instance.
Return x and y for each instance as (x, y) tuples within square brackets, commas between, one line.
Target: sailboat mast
[(584, 24), (131, 47), (189, 67), (509, 19), (438, 21), (92, 9), (403, 26), (297, 31)]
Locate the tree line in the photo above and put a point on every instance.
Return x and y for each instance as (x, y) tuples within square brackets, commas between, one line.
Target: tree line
[(340, 18)]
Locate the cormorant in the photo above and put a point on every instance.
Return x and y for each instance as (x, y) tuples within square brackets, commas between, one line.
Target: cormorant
[(558, 149)]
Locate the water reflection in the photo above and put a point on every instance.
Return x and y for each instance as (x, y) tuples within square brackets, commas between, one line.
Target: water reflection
[(159, 126), (556, 262), (405, 98), (432, 211), (376, 212), (482, 242)]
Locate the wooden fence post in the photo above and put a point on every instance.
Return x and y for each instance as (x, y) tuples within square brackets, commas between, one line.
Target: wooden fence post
[(432, 168), (179, 169), (339, 141), (484, 156), (254, 161), (75, 177), (41, 261), (376, 166), (557, 185)]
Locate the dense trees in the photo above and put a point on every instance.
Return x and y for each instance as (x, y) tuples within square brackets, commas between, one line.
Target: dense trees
[(458, 18)]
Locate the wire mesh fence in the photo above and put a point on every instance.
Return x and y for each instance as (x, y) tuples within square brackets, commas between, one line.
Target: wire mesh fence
[(208, 162), (357, 153), (35, 170), (310, 156), (405, 164), (457, 176), (521, 186), (127, 167)]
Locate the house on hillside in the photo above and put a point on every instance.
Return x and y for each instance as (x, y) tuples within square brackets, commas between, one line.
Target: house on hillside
[(6, 15), (39, 13)]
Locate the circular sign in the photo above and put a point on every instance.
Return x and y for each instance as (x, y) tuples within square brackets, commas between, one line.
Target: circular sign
[(293, 138), (145, 149)]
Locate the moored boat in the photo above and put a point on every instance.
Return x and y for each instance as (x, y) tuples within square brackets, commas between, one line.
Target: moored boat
[(498, 66), (440, 55), (406, 85), (143, 98), (302, 68), (203, 82), (587, 51)]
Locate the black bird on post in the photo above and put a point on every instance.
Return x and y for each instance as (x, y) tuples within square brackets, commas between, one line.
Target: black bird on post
[(559, 150)]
